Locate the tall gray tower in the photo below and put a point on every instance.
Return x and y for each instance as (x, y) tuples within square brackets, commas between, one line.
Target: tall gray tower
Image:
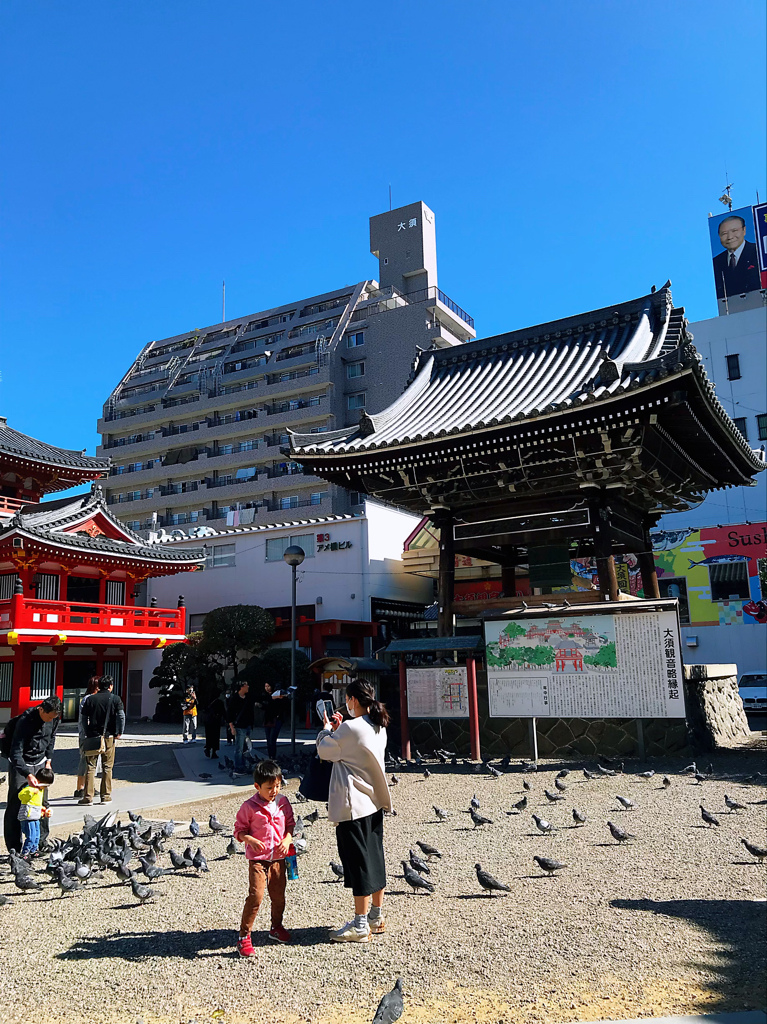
[(405, 243)]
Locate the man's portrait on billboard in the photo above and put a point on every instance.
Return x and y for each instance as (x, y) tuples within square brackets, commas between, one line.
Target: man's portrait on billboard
[(736, 261)]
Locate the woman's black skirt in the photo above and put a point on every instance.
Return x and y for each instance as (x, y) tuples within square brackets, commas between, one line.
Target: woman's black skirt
[(360, 847)]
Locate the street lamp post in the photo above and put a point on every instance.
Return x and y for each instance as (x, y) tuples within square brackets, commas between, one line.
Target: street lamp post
[(294, 556)]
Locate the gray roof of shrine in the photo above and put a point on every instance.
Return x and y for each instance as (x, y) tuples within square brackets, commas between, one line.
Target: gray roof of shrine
[(12, 442)]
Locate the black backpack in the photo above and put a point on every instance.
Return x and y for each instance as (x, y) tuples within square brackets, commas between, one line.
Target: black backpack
[(6, 740)]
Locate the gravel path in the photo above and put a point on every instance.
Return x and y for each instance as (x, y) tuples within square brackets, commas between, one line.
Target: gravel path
[(672, 922)]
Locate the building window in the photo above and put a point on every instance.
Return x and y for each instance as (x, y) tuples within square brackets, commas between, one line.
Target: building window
[(7, 585), (355, 370), (275, 546), (222, 556), (729, 581), (733, 367), (741, 422), (354, 340), (356, 498), (761, 423), (356, 401), (289, 502), (316, 497), (134, 524), (6, 681), (43, 686)]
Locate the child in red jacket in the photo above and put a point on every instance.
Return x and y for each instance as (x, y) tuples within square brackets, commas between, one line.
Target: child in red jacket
[(265, 824)]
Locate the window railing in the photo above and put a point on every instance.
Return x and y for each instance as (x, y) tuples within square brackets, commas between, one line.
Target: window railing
[(125, 413), (293, 406), (279, 378), (169, 403), (422, 295)]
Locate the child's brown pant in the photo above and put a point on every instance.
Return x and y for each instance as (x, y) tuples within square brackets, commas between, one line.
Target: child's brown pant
[(263, 876)]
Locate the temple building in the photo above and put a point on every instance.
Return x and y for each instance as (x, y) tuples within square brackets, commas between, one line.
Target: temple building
[(70, 574), (529, 450)]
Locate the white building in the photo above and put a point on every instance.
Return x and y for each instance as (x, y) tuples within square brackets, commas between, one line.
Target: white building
[(353, 576)]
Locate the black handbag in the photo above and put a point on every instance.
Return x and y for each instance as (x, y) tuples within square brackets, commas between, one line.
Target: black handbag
[(315, 784)]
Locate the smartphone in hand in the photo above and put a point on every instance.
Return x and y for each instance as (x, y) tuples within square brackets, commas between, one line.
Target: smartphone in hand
[(324, 707)]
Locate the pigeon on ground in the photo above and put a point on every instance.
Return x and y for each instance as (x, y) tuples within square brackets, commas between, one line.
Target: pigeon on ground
[(231, 848), (478, 819), (474, 803), (666, 782), (618, 833), (442, 815), (152, 871), (123, 872), (563, 774), (194, 828), (168, 828), (65, 883), (493, 772), (542, 825), (426, 773), (309, 819), (146, 835), (691, 769), (589, 775), (526, 786), (199, 862), (626, 804), (419, 865), (708, 817), (548, 865), (733, 805), (414, 880), (391, 1006), (429, 851), (141, 892), (215, 825), (395, 780), (560, 785), (135, 818), (699, 778), (187, 856), (760, 852), (520, 805), (553, 797), (337, 870), (529, 766), (488, 882), (605, 771), (177, 860), (5, 901), (579, 817), (646, 776), (27, 883)]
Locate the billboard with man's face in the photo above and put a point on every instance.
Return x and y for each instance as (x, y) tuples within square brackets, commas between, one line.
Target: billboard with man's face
[(735, 253)]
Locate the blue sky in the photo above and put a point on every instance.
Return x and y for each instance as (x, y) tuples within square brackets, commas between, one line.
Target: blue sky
[(571, 153)]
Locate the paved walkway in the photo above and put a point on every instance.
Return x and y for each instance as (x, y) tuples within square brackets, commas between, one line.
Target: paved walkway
[(191, 788)]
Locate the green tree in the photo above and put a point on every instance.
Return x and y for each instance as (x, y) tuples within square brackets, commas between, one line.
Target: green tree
[(513, 630), (273, 667), (185, 665), (604, 658), (233, 628), (539, 655)]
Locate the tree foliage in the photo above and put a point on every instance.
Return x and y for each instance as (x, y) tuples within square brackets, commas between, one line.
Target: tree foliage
[(233, 628), (604, 658), (273, 667), (185, 665)]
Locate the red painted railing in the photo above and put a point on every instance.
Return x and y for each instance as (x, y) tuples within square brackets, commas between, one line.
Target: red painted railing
[(25, 614), (11, 505)]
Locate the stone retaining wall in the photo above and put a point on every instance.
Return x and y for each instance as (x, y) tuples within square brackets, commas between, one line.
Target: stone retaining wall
[(715, 712)]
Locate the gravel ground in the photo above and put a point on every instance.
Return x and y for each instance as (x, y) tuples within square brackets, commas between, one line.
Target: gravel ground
[(673, 922)]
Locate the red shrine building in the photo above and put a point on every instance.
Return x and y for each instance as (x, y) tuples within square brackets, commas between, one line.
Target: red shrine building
[(70, 574)]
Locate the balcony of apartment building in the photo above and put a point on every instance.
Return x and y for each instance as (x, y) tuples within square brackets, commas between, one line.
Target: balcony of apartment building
[(442, 335), (332, 305), (435, 301), (131, 418), (295, 381), (295, 410), (301, 352)]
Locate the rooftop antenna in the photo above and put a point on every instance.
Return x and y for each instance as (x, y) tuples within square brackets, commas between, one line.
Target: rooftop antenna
[(223, 301), (726, 198), (389, 198)]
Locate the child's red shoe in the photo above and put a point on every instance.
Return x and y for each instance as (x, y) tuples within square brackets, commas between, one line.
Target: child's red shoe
[(245, 946), (279, 934)]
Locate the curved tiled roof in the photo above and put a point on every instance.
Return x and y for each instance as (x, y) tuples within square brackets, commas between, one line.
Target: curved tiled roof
[(12, 442)]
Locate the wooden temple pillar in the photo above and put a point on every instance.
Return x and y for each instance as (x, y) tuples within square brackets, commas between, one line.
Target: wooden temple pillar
[(444, 520), (646, 560), (603, 552)]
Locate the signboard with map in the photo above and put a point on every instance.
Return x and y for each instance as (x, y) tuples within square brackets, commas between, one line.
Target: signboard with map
[(437, 693), (585, 666)]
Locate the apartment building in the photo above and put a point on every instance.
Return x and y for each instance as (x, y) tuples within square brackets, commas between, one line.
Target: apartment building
[(197, 427)]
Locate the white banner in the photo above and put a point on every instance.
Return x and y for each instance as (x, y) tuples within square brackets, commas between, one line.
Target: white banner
[(585, 666), (437, 693)]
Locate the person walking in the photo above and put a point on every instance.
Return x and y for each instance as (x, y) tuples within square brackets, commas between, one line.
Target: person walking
[(359, 794), (239, 713), (32, 744), (215, 714), (82, 766), (104, 717), (272, 703), (189, 709)]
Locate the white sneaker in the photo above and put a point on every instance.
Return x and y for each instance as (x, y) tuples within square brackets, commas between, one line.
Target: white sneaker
[(348, 933), (377, 925)]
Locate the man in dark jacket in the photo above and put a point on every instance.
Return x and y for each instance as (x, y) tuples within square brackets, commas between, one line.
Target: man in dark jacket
[(239, 711), (34, 737), (104, 716)]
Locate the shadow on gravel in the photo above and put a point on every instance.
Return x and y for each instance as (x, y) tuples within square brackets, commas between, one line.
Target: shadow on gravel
[(183, 945), (739, 932)]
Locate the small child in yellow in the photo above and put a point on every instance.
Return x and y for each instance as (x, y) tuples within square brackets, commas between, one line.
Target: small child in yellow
[(32, 810)]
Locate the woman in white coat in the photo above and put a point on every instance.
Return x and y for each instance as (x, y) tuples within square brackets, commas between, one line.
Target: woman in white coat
[(359, 794)]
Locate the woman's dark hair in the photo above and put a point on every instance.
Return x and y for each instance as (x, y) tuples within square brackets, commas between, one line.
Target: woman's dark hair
[(266, 771), (366, 695), (93, 685)]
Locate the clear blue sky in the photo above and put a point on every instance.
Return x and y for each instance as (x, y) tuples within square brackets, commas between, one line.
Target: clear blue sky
[(571, 153)]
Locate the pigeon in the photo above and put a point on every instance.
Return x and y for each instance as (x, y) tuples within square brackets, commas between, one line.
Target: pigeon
[(83, 869), (589, 775), (310, 819), (135, 818), (478, 819), (194, 828), (168, 828), (176, 860), (27, 883), (199, 862), (605, 771), (418, 864), (733, 805), (529, 766), (65, 883), (214, 824), (5, 901), (395, 780), (391, 1006), (151, 855), (708, 817), (691, 769), (123, 872), (618, 833), (579, 817), (474, 803), (187, 856), (560, 785), (666, 782), (626, 804), (548, 865), (441, 814), (553, 797), (146, 836), (646, 775), (414, 880), (542, 825), (520, 805), (152, 871), (494, 773), (141, 892), (337, 870), (563, 774), (760, 852), (488, 882), (231, 848), (699, 778), (526, 786), (426, 773), (429, 851)]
